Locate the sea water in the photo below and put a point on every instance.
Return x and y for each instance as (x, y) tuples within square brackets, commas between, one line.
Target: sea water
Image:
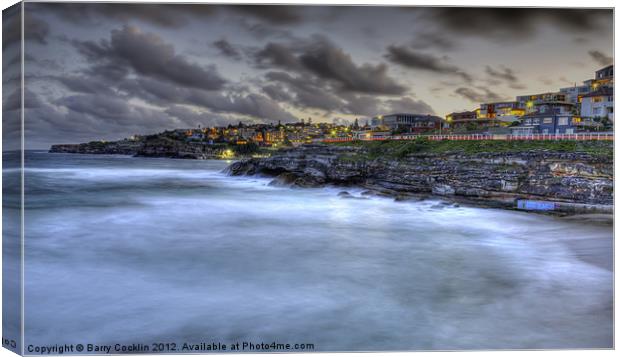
[(130, 251)]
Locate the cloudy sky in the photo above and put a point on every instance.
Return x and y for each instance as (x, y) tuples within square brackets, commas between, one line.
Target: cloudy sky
[(106, 71)]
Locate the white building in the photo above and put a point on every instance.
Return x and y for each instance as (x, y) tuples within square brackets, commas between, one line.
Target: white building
[(598, 104)]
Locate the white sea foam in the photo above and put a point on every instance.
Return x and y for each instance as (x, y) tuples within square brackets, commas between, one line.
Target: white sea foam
[(178, 251)]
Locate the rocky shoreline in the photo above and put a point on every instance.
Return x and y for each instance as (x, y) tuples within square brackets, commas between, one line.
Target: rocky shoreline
[(154, 146), (573, 182)]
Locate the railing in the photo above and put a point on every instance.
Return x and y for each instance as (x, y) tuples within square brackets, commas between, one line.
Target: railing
[(579, 136)]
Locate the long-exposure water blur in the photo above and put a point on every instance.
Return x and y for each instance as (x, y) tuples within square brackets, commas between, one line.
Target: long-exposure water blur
[(140, 250)]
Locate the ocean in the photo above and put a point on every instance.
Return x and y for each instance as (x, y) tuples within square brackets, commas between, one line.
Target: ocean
[(144, 251)]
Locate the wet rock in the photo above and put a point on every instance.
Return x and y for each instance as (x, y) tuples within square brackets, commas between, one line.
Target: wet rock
[(494, 178), (443, 190)]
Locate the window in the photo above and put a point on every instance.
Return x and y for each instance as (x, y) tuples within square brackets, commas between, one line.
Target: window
[(548, 120), (596, 111), (563, 121)]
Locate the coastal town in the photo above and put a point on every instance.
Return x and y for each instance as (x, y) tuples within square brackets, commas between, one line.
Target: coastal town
[(300, 177), (583, 108)]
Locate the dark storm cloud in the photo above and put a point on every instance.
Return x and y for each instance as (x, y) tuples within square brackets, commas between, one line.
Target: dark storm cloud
[(13, 101), (428, 40), (277, 93), (134, 64), (362, 104), (277, 55), (227, 49), (192, 118), (80, 119), (319, 57), (600, 58), (147, 54), (318, 74), (82, 84), (99, 106), (517, 23), (252, 104), (167, 15), (164, 15), (409, 58), (484, 96), (409, 105), (36, 30), (166, 94), (307, 92), (332, 63), (86, 116), (504, 74), (273, 14)]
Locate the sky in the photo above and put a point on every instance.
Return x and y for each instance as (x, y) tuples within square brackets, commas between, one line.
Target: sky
[(107, 71)]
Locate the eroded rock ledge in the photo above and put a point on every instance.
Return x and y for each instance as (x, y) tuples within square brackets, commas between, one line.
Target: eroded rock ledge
[(571, 179)]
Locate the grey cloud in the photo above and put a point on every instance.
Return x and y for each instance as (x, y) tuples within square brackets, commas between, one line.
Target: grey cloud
[(192, 118), (261, 30), (411, 59), (505, 74), (601, 58), (332, 63), (156, 83), (227, 49), (315, 94), (251, 104), (546, 81), (78, 119), (273, 14), (277, 93), (428, 40), (362, 105), (14, 100), (279, 55), (147, 54), (517, 23), (409, 105), (320, 58), (165, 15), (82, 84), (99, 106), (307, 92), (163, 93), (580, 40), (36, 30), (479, 97)]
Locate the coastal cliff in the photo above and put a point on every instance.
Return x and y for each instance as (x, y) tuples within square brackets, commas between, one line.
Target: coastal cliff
[(121, 147), (495, 178), (149, 146)]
